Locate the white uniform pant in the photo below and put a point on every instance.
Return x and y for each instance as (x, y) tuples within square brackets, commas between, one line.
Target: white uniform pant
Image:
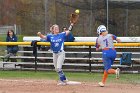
[(58, 60)]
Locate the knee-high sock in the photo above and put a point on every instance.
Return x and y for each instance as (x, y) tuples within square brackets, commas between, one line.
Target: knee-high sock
[(62, 76), (104, 77), (111, 71)]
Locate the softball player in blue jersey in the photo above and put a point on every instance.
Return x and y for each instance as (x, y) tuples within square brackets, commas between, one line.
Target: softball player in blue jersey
[(56, 40), (105, 42)]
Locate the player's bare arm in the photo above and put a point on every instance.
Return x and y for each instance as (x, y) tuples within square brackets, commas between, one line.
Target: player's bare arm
[(97, 49), (118, 40), (41, 35)]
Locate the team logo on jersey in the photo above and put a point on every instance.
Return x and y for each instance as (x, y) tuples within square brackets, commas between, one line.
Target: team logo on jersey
[(56, 44), (58, 40)]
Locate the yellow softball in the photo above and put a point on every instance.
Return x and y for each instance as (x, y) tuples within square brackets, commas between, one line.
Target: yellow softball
[(77, 11)]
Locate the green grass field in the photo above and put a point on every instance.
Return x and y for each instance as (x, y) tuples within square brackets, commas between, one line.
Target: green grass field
[(83, 77)]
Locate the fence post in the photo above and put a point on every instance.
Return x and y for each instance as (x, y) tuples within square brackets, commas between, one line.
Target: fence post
[(34, 44), (36, 59), (89, 58), (15, 28)]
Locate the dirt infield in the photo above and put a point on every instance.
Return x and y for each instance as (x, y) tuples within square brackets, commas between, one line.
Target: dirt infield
[(50, 86)]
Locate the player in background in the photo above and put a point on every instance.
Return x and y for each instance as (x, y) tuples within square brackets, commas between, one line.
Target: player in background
[(11, 50), (70, 37), (56, 40), (105, 42)]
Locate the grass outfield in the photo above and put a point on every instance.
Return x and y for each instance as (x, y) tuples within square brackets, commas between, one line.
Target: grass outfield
[(75, 76)]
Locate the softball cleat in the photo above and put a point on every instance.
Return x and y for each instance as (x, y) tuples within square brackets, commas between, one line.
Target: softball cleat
[(101, 84), (61, 83), (117, 73)]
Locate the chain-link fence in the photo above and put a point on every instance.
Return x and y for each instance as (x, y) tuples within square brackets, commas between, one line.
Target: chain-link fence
[(120, 16), (4, 29), (124, 16)]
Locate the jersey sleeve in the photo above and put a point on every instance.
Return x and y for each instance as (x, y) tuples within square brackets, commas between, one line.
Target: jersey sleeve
[(48, 38), (7, 39), (97, 45), (63, 34), (114, 37)]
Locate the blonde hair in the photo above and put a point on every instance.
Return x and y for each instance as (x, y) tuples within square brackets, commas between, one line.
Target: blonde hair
[(52, 28)]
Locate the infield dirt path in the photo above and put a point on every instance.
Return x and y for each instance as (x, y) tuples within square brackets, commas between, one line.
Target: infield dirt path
[(50, 86)]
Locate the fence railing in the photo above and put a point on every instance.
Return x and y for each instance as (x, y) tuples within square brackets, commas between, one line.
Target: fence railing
[(70, 44)]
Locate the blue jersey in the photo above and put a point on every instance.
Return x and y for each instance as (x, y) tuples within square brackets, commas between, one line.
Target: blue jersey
[(57, 41), (69, 38), (11, 39)]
